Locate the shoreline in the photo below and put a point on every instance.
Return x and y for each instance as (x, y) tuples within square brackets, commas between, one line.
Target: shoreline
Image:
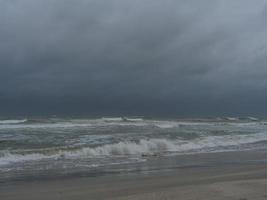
[(245, 179)]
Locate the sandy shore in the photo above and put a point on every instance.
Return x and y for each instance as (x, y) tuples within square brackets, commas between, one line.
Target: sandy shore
[(237, 182)]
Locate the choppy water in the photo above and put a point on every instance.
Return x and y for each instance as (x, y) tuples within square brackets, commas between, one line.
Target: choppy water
[(67, 145)]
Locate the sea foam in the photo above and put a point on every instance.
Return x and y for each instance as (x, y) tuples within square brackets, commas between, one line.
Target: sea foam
[(154, 146), (13, 121)]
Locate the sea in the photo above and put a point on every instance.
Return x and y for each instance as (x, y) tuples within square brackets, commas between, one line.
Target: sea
[(58, 147)]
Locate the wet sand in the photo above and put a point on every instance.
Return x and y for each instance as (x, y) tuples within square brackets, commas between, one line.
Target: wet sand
[(237, 182)]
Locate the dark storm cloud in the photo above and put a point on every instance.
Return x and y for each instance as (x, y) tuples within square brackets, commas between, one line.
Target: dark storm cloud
[(143, 57)]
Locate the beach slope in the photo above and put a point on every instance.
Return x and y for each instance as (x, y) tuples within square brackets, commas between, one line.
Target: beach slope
[(215, 183)]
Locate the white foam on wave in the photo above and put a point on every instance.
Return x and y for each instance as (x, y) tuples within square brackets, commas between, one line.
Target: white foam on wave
[(253, 118), (134, 119), (7, 157), (166, 125), (173, 124), (49, 125), (232, 118), (124, 148), (223, 141), (71, 124), (153, 146), (112, 119), (13, 121), (142, 147)]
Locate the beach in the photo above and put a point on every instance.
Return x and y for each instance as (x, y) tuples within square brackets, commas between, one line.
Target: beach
[(222, 177), (133, 100)]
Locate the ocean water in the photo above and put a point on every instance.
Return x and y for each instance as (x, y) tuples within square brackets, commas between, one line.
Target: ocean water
[(53, 146)]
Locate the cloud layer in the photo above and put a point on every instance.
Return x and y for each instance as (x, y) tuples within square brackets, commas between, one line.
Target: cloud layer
[(153, 57)]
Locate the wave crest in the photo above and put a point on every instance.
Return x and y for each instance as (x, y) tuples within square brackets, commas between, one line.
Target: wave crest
[(141, 147), (13, 121), (151, 146)]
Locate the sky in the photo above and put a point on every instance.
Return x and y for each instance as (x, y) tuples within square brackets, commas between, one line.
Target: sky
[(142, 57)]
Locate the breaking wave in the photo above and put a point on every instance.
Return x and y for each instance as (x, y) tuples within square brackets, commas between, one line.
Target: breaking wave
[(152, 146), (140, 148)]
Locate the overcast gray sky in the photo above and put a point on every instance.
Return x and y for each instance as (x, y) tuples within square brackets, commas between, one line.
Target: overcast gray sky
[(138, 57)]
